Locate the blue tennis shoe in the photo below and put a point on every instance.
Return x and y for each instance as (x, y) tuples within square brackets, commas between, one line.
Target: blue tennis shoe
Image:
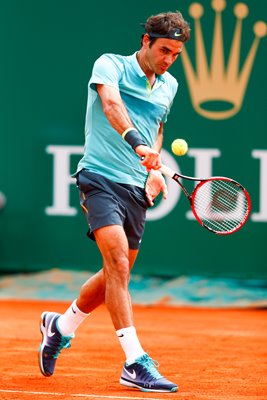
[(143, 375), (52, 343)]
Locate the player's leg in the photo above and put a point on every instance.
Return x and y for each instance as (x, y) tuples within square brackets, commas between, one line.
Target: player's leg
[(139, 370), (112, 283), (97, 194), (113, 245), (92, 293)]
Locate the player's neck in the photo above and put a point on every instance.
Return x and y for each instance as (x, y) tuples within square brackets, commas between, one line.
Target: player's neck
[(151, 76)]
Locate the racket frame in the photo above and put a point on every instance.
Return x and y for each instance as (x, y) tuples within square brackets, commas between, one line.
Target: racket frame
[(176, 177)]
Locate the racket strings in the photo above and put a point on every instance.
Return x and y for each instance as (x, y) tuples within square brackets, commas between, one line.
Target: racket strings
[(221, 205)]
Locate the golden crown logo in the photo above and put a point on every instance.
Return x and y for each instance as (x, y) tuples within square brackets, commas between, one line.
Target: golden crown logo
[(218, 83)]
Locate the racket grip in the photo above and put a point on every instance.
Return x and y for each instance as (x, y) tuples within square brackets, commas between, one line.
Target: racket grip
[(167, 171)]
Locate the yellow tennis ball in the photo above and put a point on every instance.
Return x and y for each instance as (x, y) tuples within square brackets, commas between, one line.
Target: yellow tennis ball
[(179, 147)]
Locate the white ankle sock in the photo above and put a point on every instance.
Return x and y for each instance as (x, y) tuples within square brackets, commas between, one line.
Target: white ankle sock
[(130, 343), (71, 320)]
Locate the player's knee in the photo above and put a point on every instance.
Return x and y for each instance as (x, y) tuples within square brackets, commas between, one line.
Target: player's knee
[(118, 270)]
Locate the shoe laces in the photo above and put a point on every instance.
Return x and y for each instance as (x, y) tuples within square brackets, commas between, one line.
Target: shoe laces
[(62, 342), (151, 366)]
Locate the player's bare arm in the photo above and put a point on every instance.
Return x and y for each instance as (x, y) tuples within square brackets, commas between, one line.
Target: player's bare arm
[(159, 141), (119, 119), (114, 108)]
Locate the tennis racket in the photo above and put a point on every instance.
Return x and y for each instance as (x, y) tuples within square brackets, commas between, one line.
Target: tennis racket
[(219, 204)]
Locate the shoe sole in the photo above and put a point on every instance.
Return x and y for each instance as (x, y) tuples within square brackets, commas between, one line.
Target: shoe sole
[(42, 345), (135, 386)]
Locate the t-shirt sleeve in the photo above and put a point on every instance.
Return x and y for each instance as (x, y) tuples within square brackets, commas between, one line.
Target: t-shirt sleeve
[(106, 71)]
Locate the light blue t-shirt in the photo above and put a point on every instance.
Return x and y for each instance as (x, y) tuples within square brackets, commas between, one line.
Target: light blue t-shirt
[(106, 152)]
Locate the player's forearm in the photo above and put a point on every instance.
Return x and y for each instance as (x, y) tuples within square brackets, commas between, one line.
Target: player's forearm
[(114, 108), (117, 116), (159, 141)]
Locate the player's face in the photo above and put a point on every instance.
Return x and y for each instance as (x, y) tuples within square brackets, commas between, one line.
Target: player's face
[(162, 54)]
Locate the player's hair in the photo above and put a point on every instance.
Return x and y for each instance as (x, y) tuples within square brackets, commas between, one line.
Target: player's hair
[(163, 23)]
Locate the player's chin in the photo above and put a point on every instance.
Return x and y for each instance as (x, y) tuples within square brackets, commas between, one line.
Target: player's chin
[(161, 70)]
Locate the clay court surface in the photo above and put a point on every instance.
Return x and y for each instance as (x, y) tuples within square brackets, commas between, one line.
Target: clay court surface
[(211, 353)]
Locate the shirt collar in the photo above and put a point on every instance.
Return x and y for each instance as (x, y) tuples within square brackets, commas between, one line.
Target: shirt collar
[(139, 70)]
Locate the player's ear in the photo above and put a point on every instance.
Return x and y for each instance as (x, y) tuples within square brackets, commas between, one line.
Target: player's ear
[(146, 40)]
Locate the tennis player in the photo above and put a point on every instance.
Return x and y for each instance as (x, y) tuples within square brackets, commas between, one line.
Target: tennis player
[(129, 98)]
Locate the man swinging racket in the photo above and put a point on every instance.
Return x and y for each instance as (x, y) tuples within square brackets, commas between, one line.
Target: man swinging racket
[(129, 98)]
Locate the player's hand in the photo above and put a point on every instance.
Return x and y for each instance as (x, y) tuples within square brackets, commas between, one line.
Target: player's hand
[(149, 158), (155, 184)]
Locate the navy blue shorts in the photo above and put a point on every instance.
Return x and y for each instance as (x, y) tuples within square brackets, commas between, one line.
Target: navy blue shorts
[(105, 202)]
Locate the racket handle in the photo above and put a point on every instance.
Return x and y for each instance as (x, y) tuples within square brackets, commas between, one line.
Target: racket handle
[(167, 171)]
